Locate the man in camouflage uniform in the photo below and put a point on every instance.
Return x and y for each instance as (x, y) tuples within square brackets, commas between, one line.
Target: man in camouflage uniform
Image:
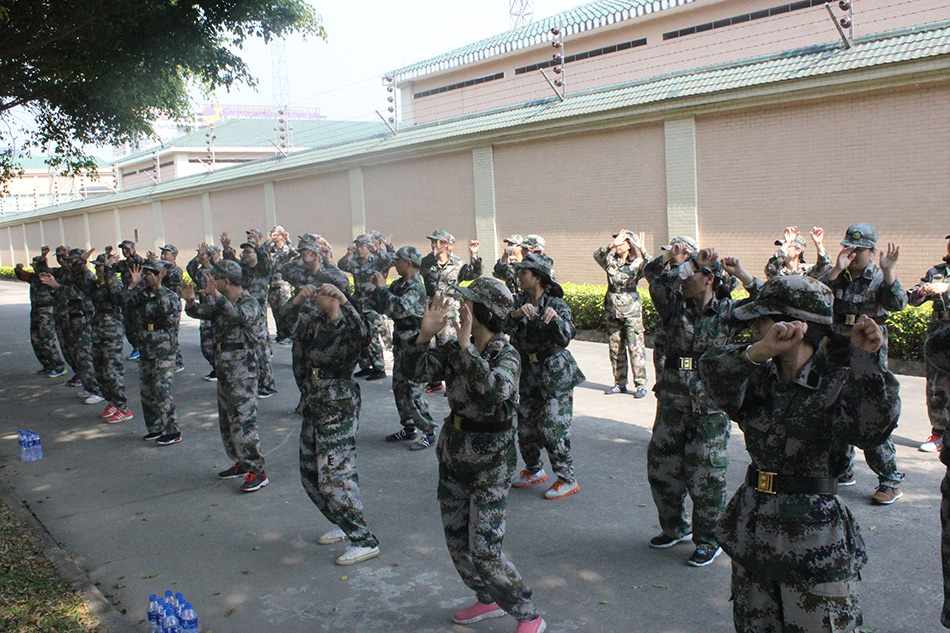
[(687, 452), (861, 287), (199, 268), (255, 265), (157, 312), (42, 326), (513, 253), (72, 296), (174, 277), (363, 261), (404, 302), (108, 340), (540, 328), (624, 260), (788, 259), (933, 287), (237, 317), (476, 449), (937, 353), (333, 333), (61, 318), (659, 331), (279, 292), (124, 267), (796, 550)]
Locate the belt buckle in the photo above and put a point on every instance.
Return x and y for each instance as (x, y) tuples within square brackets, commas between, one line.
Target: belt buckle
[(150, 326), (765, 482), (849, 319), (457, 422), (686, 363), (315, 373), (533, 357), (217, 346)]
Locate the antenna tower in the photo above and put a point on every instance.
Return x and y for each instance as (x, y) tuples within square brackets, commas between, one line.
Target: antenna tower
[(521, 11), (283, 133)]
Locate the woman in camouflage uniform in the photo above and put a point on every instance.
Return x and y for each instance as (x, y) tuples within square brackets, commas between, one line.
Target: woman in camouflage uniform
[(476, 448)]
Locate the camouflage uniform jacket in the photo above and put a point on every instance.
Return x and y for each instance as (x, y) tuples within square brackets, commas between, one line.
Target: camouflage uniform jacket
[(107, 297), (689, 333), (73, 295), (940, 317), (622, 300), (362, 270), (256, 279), (199, 276), (546, 365), (480, 387), (158, 316), (797, 429), (776, 266), (865, 294), (297, 276), (507, 273), (173, 279), (334, 346), (124, 267), (439, 278), (404, 302), (41, 295), (236, 323), (279, 255)]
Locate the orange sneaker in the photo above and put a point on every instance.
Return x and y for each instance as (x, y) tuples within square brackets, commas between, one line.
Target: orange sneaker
[(561, 489)]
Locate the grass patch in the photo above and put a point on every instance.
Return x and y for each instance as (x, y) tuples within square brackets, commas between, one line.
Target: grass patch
[(34, 597)]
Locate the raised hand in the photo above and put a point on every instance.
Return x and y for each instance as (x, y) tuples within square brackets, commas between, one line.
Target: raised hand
[(791, 232), (889, 259), (781, 337), (187, 292), (867, 335), (434, 318), (378, 279), (473, 248), (135, 275), (845, 257)]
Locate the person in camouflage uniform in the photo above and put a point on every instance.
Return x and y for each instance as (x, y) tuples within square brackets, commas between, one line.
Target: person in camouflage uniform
[(404, 301), (933, 287), (72, 296), (362, 260), (788, 259), (199, 268), (659, 330), (540, 328), (476, 448), (237, 320), (623, 260), (513, 253), (687, 452), (123, 267), (937, 353), (60, 318), (174, 277), (795, 547), (861, 287), (279, 292), (256, 265), (42, 325), (157, 311), (333, 334), (108, 340)]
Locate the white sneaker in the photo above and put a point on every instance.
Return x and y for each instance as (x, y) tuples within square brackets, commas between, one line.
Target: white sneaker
[(356, 554), (93, 399), (82, 394), (932, 445), (527, 478), (336, 535)]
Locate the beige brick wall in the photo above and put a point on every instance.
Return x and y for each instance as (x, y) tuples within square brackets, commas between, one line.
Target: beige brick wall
[(102, 231), (236, 210), (184, 234), (316, 204)]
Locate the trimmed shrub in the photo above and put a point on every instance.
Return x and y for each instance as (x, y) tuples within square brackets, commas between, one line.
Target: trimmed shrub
[(907, 331)]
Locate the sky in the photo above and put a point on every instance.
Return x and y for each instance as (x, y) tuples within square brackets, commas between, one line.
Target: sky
[(365, 39)]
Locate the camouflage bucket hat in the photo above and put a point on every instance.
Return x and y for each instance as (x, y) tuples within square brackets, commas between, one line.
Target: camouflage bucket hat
[(213, 249), (795, 296), (309, 246), (442, 235), (128, 243), (533, 241), (410, 254), (154, 265), (227, 269), (514, 239), (541, 265), (491, 293), (862, 235), (363, 240), (691, 245)]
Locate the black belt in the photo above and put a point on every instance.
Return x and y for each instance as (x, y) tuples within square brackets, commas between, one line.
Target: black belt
[(851, 319), (682, 363), (321, 373), (470, 426), (230, 347), (540, 355), (773, 483)]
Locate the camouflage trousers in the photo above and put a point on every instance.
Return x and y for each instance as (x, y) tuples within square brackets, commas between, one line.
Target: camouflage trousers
[(265, 377), (110, 366), (544, 422), (475, 471), (372, 355), (763, 605), (626, 342), (687, 454), (43, 339), (882, 459), (158, 406), (79, 339), (277, 296), (63, 337), (301, 367), (328, 457), (237, 408), (176, 345), (206, 336), (130, 327), (938, 399), (410, 398), (945, 545)]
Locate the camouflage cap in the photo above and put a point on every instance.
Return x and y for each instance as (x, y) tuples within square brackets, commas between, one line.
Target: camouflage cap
[(309, 246), (795, 296), (862, 235), (154, 265), (126, 243), (410, 254), (171, 248), (100, 260), (442, 235), (491, 293), (363, 240), (799, 242), (309, 238), (213, 249), (532, 242), (228, 269), (75, 253), (39, 260), (376, 235), (715, 268), (254, 232), (514, 239), (278, 229), (691, 245)]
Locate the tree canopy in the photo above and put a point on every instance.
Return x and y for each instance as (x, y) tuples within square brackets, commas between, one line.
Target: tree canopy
[(99, 71)]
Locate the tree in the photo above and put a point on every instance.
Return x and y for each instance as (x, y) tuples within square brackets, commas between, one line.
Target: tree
[(98, 72)]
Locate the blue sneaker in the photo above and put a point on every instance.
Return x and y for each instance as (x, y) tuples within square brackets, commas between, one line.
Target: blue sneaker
[(134, 355), (56, 373)]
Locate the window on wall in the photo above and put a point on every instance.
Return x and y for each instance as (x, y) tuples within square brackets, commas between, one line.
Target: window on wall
[(606, 50), (462, 84), (744, 17)]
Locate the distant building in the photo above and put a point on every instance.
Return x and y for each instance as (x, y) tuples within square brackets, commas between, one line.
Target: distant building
[(42, 186)]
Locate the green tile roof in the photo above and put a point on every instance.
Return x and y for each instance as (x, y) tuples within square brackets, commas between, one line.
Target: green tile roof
[(39, 162), (928, 43), (577, 20)]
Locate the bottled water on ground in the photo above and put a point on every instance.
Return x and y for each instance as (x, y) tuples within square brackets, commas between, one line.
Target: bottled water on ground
[(24, 446), (189, 619), (37, 446), (170, 623), (153, 608)]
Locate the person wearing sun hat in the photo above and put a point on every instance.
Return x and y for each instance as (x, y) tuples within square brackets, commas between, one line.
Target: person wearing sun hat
[(476, 448), (795, 547), (512, 254), (789, 258)]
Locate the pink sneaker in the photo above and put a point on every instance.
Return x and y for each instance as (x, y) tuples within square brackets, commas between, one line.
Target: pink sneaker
[(477, 612), (537, 625)]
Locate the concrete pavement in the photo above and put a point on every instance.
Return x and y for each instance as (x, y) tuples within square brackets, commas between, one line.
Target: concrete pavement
[(139, 519)]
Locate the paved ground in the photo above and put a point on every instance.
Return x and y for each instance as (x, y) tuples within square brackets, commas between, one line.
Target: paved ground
[(139, 519)]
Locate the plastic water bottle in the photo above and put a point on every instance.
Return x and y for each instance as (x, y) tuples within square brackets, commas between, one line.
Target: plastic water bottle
[(170, 601), (170, 623), (21, 440), (189, 619), (37, 446), (154, 627), (161, 611), (30, 446), (179, 605), (153, 609)]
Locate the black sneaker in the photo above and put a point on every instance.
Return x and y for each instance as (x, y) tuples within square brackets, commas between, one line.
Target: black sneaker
[(254, 481), (402, 435), (703, 556), (150, 437), (376, 374), (168, 439), (662, 541), (212, 377), (232, 472), (75, 381), (616, 389), (363, 372)]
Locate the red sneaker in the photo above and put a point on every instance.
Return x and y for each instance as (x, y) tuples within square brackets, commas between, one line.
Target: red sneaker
[(119, 416), (108, 411), (477, 612), (537, 625)]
